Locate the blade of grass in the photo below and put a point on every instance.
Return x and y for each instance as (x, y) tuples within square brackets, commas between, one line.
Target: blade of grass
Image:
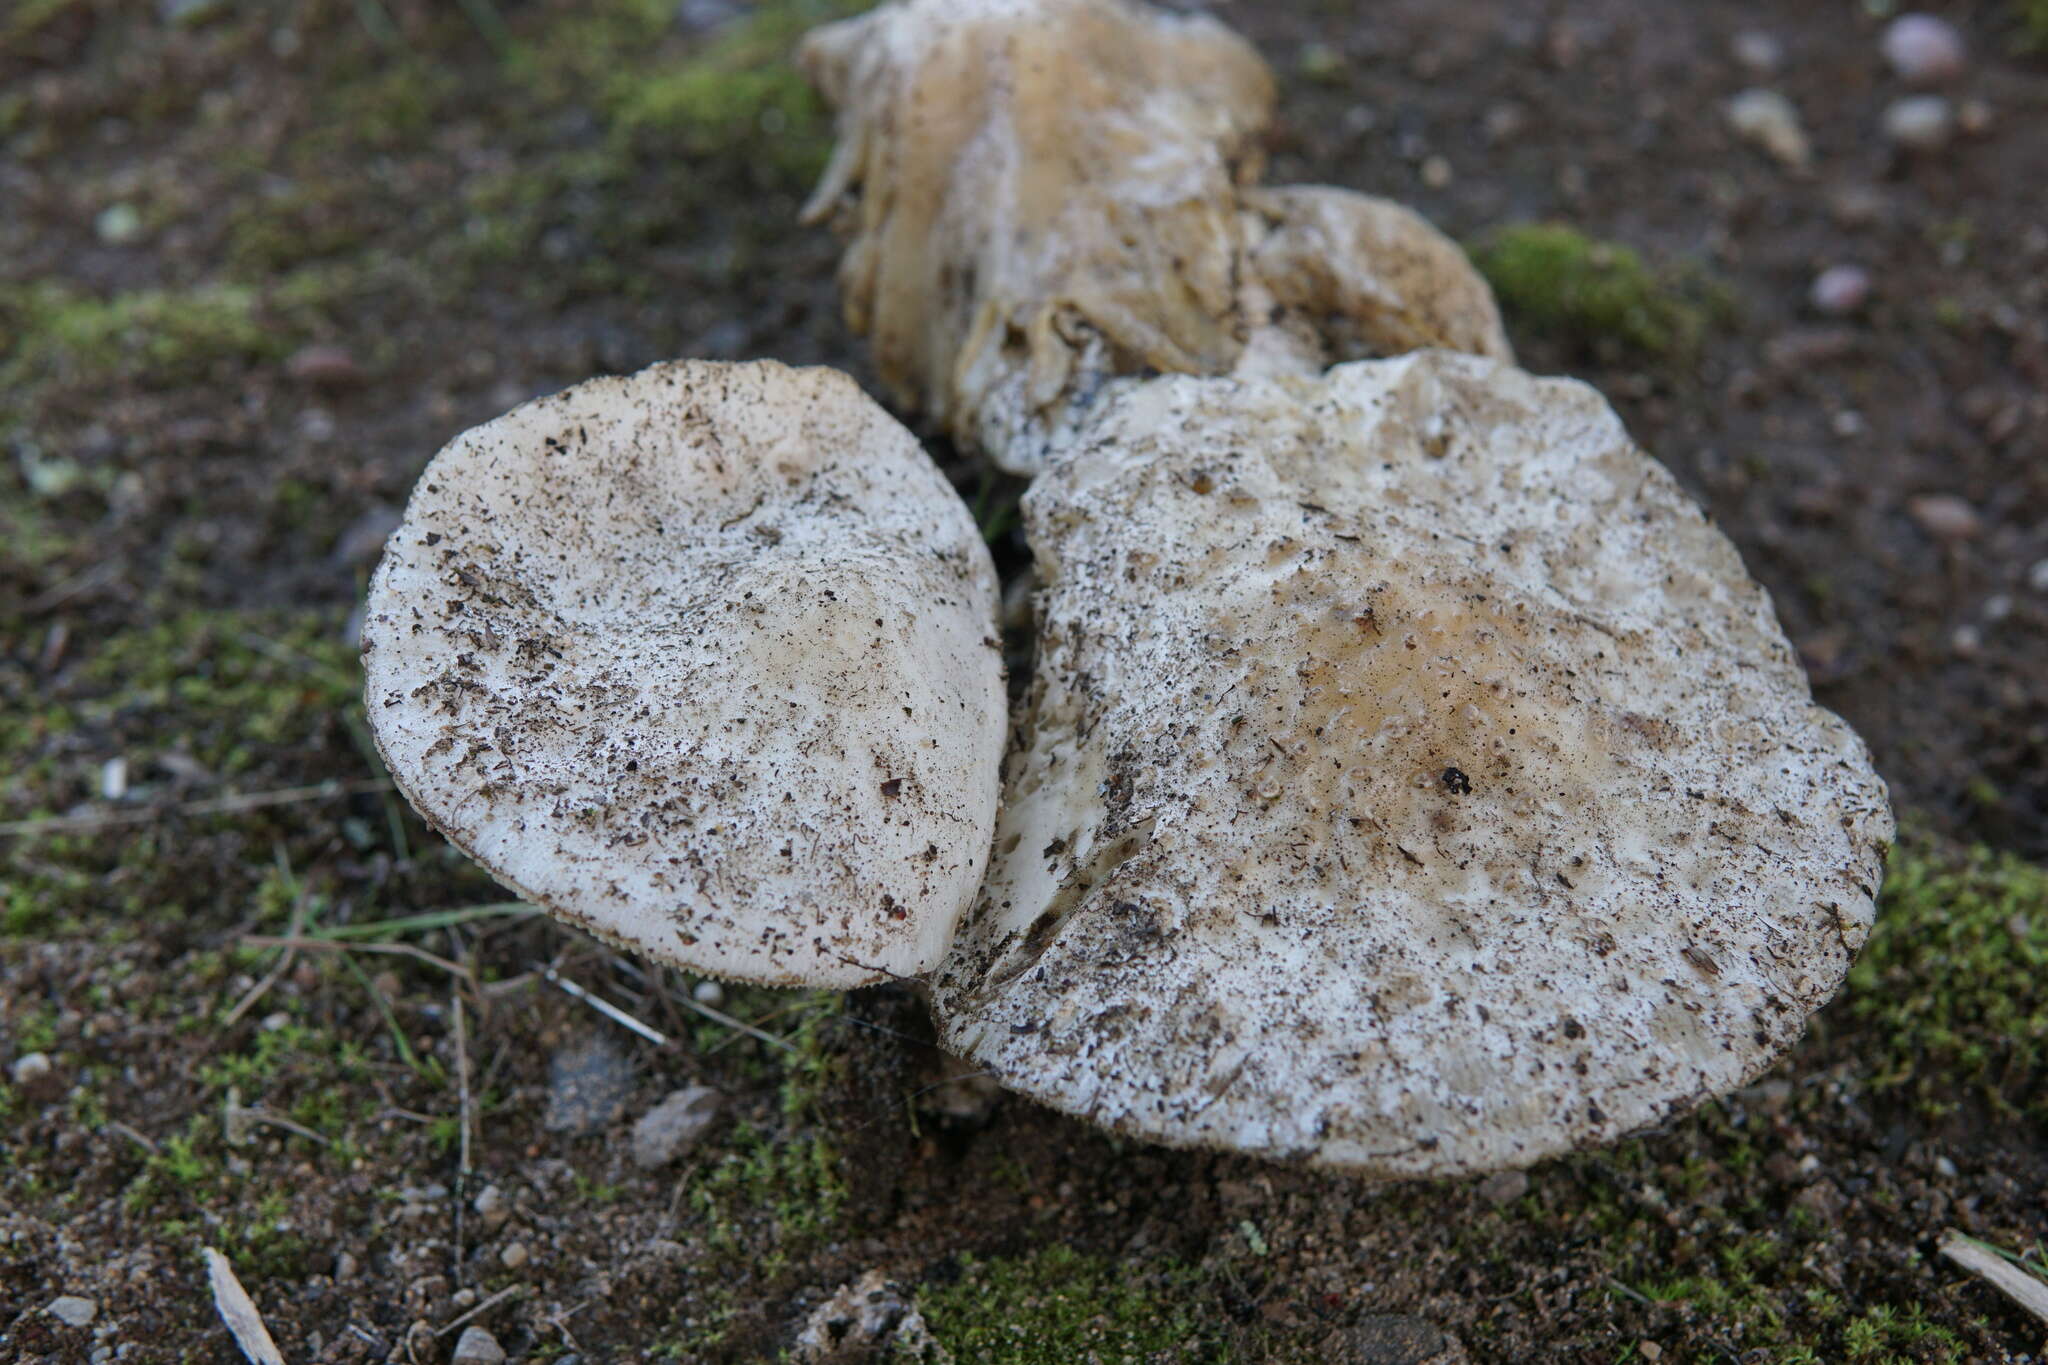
[(398, 1039), (425, 921)]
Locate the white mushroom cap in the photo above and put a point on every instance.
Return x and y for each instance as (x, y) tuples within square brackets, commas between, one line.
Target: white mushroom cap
[(703, 661), (1413, 782)]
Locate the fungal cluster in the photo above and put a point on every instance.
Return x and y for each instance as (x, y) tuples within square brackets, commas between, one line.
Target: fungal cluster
[(1411, 780)]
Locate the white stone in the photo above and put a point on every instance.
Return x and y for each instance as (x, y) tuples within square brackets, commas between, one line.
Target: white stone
[(73, 1311), (672, 1127), (1924, 50), (478, 1347), (1921, 123), (1841, 289), (1759, 52), (1771, 121), (493, 1207), (30, 1068)]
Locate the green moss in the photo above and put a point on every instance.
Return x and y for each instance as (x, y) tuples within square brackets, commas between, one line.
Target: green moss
[(244, 695), (1597, 297), (1055, 1305), (739, 95), (1953, 986), (30, 15), (155, 337), (2033, 20), (772, 1194)]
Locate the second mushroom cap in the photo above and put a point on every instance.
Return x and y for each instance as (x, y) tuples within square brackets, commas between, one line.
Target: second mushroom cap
[(1413, 782)]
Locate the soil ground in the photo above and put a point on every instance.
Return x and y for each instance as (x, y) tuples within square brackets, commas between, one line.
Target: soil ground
[(258, 261)]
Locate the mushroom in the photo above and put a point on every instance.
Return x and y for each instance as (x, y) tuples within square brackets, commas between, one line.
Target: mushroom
[(1044, 194), (1412, 781), (703, 660)]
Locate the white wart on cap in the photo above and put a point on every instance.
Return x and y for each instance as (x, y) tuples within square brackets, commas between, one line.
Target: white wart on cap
[(703, 661), (1413, 782)]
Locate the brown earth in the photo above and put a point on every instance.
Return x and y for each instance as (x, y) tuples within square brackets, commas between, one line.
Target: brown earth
[(258, 262)]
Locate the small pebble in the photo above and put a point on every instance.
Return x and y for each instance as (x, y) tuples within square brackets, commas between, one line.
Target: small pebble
[(708, 993), (589, 1083), (513, 1256), (1436, 172), (1945, 517), (1924, 50), (1504, 1187), (1504, 121), (73, 1311), (695, 16), (2037, 577), (30, 1069), (345, 1267), (1974, 117), (1649, 1350), (324, 367), (1771, 121), (113, 779), (672, 1127), (493, 1207), (1997, 607), (1757, 51), (1944, 1168), (1840, 290), (118, 224), (477, 1347), (1967, 642), (1920, 123)]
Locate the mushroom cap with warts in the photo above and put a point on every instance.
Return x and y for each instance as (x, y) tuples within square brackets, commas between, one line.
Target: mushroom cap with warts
[(702, 660), (1413, 782)]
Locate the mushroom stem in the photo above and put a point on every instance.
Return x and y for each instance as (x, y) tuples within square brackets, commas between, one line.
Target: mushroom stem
[(1043, 195)]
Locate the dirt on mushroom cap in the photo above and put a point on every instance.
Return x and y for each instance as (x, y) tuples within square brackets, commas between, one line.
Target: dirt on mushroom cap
[(1413, 782), (703, 661)]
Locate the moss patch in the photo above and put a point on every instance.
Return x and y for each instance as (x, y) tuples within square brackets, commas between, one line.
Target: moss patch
[(1597, 297), (1056, 1305), (2033, 20), (1953, 986), (202, 698), (154, 337)]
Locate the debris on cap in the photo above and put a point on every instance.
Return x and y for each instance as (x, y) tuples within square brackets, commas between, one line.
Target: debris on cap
[(704, 661), (1413, 782)]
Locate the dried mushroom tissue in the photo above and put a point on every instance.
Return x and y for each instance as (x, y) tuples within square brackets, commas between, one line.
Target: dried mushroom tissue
[(1410, 780)]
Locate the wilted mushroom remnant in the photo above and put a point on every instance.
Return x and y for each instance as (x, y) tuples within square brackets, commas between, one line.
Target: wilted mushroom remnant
[(1413, 781), (1045, 194), (702, 660)]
